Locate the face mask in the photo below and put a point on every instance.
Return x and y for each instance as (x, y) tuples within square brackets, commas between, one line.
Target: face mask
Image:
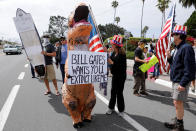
[(46, 41)]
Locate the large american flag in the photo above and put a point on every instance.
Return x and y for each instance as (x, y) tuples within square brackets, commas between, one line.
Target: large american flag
[(95, 44), (163, 43)]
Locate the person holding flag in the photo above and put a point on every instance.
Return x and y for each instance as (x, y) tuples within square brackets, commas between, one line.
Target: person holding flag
[(182, 63)]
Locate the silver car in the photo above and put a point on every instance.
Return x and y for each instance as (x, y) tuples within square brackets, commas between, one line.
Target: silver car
[(12, 49)]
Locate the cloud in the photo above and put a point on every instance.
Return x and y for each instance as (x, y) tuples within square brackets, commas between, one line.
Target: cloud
[(129, 12)]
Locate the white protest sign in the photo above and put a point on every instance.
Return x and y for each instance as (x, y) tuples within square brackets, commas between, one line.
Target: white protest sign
[(86, 67), (23, 22), (29, 37)]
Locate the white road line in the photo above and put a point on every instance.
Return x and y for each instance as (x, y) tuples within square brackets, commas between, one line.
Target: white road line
[(169, 84), (126, 117), (21, 76), (26, 65), (7, 106)]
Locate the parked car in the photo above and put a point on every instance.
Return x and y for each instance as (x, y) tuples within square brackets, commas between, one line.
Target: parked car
[(12, 49)]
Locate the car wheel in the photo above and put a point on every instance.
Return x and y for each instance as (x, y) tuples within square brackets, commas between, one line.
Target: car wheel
[(6, 53)]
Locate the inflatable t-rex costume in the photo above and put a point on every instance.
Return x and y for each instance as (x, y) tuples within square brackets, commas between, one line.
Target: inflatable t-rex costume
[(78, 99)]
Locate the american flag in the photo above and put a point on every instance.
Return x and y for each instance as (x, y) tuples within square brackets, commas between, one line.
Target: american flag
[(95, 44), (163, 43)]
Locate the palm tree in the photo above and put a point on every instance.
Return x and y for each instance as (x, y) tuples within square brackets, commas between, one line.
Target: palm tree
[(114, 5), (162, 6), (188, 3), (144, 31), (142, 15), (117, 19)]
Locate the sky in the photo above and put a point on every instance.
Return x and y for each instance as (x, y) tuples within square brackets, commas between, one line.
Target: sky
[(129, 12)]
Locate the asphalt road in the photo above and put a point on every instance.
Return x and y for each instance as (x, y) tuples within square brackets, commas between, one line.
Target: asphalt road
[(33, 111)]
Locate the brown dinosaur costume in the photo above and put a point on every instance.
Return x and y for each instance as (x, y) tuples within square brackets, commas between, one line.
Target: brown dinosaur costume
[(78, 99)]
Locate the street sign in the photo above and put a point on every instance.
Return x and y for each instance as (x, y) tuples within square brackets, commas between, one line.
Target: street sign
[(127, 35)]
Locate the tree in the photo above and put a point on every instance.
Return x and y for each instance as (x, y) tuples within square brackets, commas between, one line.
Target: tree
[(162, 6), (144, 31), (57, 27), (114, 5), (117, 19), (142, 15), (191, 24), (188, 3), (108, 30)]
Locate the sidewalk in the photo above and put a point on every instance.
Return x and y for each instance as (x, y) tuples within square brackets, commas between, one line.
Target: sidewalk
[(163, 79)]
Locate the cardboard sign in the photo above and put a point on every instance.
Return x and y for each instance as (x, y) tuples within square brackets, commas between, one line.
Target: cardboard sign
[(146, 66), (86, 67)]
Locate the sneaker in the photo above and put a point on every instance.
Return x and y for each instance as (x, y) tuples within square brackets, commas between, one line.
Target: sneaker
[(121, 114), (109, 111), (193, 89)]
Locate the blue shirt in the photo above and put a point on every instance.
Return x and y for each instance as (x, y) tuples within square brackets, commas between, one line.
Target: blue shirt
[(63, 53), (182, 64)]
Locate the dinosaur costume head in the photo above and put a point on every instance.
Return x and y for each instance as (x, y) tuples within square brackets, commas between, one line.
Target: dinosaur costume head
[(79, 27)]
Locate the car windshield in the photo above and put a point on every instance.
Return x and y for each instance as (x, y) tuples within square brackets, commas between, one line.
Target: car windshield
[(12, 46)]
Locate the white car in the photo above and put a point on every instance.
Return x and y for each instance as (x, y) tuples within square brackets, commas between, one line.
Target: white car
[(12, 49)]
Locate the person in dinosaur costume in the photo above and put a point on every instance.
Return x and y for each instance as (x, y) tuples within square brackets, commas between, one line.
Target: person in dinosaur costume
[(78, 99)]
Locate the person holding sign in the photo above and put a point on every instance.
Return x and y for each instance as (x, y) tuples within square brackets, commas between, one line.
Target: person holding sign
[(49, 52), (79, 99), (138, 75), (118, 70)]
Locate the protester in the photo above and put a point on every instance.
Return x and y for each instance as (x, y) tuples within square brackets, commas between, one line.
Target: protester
[(151, 51), (182, 63), (79, 99), (61, 56), (156, 72), (193, 82), (118, 70), (145, 53), (139, 76), (49, 52)]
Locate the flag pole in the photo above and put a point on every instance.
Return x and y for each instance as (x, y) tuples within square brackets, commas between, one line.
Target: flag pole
[(169, 42), (171, 25), (97, 29)]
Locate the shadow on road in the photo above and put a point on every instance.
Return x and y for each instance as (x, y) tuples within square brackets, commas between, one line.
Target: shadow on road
[(56, 103), (148, 123), (103, 122), (166, 98)]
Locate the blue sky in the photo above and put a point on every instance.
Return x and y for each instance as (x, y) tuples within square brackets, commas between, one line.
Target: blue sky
[(129, 12)]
